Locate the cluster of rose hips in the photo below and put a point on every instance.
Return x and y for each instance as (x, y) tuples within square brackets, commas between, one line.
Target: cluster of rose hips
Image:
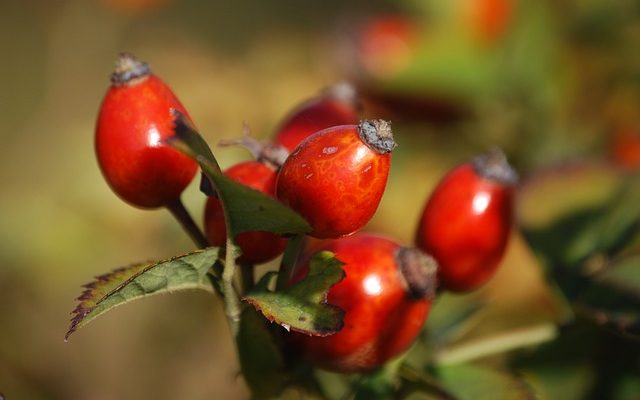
[(333, 173)]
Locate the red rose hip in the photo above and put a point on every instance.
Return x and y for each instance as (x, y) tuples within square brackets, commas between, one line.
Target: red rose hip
[(336, 177), (337, 105), (135, 117), (467, 220), (257, 247), (386, 296)]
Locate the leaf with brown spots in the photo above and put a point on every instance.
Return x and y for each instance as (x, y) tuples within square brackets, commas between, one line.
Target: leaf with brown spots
[(303, 306)]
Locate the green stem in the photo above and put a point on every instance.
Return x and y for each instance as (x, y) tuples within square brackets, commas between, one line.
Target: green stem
[(289, 259), (495, 344), (232, 305), (178, 210)]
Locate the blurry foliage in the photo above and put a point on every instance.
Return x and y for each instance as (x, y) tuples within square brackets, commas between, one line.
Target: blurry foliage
[(553, 91)]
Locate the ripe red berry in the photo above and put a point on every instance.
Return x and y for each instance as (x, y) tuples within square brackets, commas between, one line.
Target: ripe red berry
[(335, 106), (467, 220), (134, 119), (386, 296), (257, 247), (336, 177)]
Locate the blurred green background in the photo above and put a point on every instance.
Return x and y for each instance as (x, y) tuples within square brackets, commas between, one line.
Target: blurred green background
[(554, 82)]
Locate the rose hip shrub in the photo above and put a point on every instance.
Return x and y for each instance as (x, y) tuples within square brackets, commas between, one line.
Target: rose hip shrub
[(356, 304)]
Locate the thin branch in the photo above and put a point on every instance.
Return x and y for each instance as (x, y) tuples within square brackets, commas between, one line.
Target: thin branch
[(232, 305), (180, 213), (495, 344), (248, 280), (289, 259)]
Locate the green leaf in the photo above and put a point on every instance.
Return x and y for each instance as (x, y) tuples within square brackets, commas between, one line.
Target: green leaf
[(617, 223), (376, 385), (333, 385), (611, 298), (623, 275), (245, 209), (559, 206), (144, 279), (303, 306), (561, 380), (627, 388), (416, 383), (470, 382), (261, 360), (451, 317), (565, 368)]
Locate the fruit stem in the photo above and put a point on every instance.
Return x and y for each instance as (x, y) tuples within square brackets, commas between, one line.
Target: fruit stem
[(180, 213), (269, 153), (289, 259), (247, 277), (232, 307)]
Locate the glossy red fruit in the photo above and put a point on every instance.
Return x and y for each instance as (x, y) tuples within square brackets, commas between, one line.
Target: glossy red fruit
[(134, 119), (337, 105), (336, 177), (257, 247), (467, 220), (386, 296)]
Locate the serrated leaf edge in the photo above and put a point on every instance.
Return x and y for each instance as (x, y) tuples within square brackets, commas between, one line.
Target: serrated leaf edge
[(80, 312)]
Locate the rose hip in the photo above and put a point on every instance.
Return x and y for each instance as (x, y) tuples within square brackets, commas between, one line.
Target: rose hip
[(467, 220), (336, 177), (135, 117)]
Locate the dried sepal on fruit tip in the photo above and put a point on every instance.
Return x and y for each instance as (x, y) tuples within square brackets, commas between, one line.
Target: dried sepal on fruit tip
[(377, 134), (128, 70), (269, 153), (419, 271), (494, 165)]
